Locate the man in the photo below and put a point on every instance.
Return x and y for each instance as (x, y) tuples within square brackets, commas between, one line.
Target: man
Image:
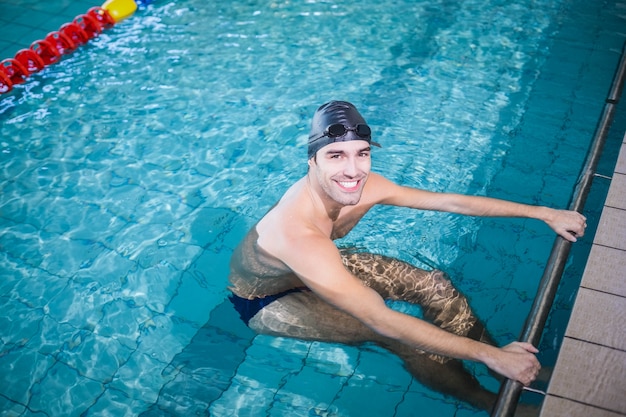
[(289, 279)]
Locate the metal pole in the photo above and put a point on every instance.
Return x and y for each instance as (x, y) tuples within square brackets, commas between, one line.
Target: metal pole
[(510, 390)]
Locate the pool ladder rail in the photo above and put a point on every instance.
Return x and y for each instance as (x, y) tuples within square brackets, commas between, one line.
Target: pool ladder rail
[(510, 391), (67, 39)]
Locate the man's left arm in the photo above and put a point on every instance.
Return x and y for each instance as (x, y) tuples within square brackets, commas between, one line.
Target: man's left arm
[(568, 224)]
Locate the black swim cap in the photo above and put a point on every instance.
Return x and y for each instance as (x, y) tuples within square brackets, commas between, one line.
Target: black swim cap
[(337, 121)]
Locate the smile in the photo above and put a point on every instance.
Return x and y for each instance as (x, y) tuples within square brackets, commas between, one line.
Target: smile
[(348, 185)]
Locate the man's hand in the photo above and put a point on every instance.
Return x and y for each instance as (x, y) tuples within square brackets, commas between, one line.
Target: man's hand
[(570, 225), (517, 361)]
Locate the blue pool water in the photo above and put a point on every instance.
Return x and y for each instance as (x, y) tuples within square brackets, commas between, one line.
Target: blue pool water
[(130, 170)]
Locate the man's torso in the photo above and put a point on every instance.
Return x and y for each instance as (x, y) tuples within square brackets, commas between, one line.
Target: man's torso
[(254, 272)]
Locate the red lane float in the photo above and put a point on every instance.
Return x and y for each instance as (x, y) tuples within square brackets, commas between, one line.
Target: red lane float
[(88, 24), (63, 41), (103, 17), (75, 33), (48, 53), (5, 83), (30, 60), (14, 71)]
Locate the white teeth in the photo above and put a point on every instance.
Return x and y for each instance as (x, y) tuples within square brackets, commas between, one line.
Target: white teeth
[(350, 184)]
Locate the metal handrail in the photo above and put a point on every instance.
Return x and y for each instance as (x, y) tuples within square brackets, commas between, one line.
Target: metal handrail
[(510, 390)]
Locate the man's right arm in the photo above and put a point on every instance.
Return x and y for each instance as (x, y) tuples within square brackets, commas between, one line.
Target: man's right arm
[(316, 260)]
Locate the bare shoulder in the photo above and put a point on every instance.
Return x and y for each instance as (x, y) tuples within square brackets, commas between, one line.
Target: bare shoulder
[(288, 221), (379, 189), (377, 179), (297, 242), (384, 191)]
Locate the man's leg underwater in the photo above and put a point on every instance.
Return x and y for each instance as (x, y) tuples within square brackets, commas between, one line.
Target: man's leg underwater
[(304, 315), (442, 304)]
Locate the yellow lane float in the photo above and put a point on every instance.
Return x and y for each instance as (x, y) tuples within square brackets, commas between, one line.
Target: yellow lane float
[(120, 9)]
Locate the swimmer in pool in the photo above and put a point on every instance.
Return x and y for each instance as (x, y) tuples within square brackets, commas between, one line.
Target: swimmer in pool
[(289, 279)]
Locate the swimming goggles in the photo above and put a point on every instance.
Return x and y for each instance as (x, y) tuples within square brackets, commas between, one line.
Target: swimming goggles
[(337, 129)]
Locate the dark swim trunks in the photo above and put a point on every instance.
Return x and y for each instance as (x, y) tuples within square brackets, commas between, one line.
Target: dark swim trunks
[(248, 308)]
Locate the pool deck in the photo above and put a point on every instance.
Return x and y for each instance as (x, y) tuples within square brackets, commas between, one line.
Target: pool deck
[(589, 379)]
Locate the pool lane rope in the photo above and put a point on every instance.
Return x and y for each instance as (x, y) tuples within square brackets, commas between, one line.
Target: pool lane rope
[(66, 40)]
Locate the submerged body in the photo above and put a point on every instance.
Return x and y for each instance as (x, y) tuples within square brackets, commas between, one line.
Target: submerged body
[(289, 279)]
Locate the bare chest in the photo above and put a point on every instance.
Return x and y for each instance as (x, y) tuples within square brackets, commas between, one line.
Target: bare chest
[(347, 220)]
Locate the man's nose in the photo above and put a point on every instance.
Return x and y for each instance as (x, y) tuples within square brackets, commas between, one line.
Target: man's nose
[(351, 167)]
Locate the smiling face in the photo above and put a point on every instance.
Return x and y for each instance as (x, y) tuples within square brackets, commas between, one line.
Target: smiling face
[(341, 169)]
